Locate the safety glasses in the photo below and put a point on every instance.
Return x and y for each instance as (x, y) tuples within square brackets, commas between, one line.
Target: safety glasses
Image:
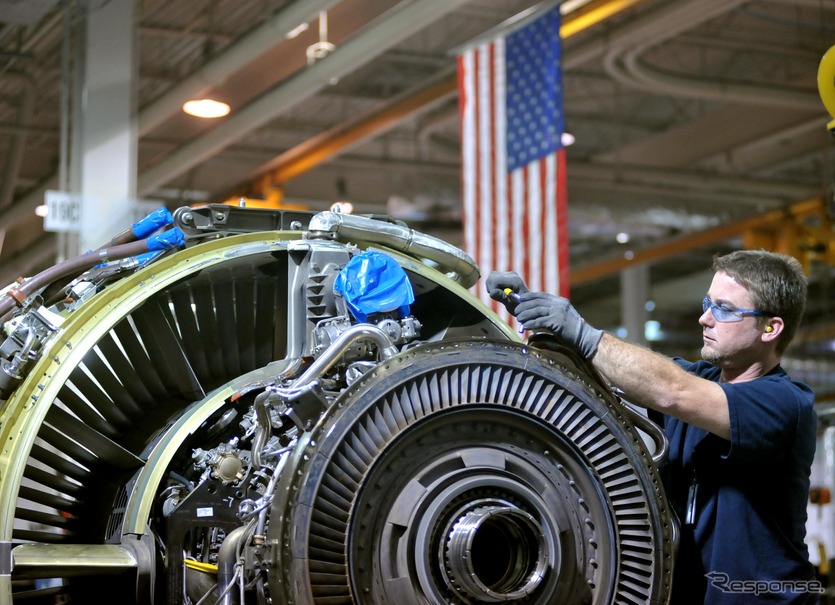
[(727, 313)]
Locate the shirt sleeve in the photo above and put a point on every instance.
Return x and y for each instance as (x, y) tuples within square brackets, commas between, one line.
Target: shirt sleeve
[(764, 416)]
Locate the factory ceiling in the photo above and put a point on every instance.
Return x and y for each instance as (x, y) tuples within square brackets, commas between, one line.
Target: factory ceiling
[(698, 123)]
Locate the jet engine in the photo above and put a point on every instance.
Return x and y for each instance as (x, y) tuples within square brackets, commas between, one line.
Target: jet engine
[(248, 406)]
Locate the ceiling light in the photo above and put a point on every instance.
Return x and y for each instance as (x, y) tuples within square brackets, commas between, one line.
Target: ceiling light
[(622, 237), (41, 210), (567, 139), (206, 108)]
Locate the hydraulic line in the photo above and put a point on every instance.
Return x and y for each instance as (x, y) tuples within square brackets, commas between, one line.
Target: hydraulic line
[(19, 294), (141, 229)]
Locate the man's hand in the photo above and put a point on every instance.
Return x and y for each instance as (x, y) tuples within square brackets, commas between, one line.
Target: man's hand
[(505, 287), (499, 281), (539, 310)]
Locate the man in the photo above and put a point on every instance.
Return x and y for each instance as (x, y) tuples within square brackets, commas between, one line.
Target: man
[(741, 432)]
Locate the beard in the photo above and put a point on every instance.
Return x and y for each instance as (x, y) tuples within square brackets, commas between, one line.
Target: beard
[(710, 356)]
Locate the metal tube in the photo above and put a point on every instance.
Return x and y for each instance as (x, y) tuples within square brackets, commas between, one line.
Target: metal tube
[(227, 558), (340, 345), (263, 428), (397, 237), (18, 294)]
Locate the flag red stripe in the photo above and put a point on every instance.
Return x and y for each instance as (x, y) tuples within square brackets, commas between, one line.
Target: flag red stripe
[(512, 221), (562, 225), (494, 234), (477, 163)]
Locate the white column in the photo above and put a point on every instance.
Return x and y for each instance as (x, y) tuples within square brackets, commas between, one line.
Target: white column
[(634, 291), (107, 149)]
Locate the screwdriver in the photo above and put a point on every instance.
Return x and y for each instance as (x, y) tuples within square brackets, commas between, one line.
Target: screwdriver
[(514, 296), (510, 304)]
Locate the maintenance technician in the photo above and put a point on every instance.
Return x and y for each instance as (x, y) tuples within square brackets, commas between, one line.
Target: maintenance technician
[(741, 431)]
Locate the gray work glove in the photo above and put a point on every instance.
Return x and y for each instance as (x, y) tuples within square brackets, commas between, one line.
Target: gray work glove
[(539, 310), (499, 281)]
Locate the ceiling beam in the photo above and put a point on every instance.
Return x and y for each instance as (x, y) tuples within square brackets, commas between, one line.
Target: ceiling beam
[(312, 152), (347, 58), (213, 73), (696, 240)]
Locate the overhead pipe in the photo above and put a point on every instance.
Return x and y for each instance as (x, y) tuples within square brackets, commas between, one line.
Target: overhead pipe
[(692, 202), (593, 13), (670, 21), (705, 191), (622, 62), (626, 68), (667, 17)]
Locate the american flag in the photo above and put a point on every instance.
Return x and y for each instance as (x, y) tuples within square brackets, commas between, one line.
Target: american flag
[(515, 201)]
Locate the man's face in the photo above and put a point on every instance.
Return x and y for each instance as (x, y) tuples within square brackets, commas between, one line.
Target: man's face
[(730, 344)]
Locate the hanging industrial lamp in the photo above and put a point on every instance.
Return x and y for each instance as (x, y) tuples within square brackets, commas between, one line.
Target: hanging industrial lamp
[(206, 108)]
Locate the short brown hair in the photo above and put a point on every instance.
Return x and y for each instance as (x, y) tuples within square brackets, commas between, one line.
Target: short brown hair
[(776, 283)]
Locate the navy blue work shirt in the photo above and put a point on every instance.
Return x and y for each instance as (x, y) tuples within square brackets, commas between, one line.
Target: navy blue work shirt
[(745, 542)]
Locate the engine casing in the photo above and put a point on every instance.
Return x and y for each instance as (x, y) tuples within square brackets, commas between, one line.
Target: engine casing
[(215, 424)]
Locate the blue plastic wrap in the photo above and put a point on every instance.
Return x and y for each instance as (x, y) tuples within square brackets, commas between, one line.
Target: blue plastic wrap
[(146, 257), (373, 282), (167, 239), (158, 218)]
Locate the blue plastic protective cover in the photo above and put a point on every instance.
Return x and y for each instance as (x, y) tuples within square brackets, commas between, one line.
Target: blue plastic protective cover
[(158, 218), (172, 238), (373, 282)]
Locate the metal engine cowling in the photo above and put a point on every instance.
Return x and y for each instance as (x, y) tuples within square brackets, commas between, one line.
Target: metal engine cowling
[(215, 427)]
